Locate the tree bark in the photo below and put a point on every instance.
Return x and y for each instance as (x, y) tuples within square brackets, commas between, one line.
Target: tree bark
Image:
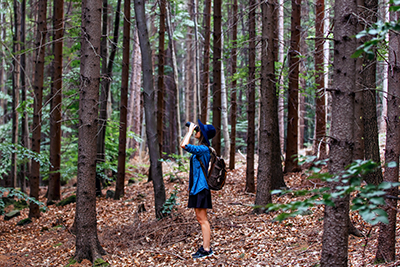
[(205, 85), (233, 86), (161, 86), (56, 102), (34, 211), (320, 109), (149, 103), (120, 183), (386, 250), (291, 163), (224, 113), (87, 242), (336, 218), (269, 163), (281, 58), (251, 100)]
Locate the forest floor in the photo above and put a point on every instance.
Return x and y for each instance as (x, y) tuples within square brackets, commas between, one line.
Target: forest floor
[(132, 238)]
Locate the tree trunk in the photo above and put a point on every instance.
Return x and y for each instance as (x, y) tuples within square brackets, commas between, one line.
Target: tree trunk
[(269, 163), (12, 181), (34, 211), (3, 103), (134, 106), (320, 109), (224, 113), (161, 86), (251, 100), (386, 250), (56, 102), (120, 183), (87, 242), (291, 164), (281, 59), (26, 166), (205, 85), (233, 87), (175, 70), (148, 96), (336, 218)]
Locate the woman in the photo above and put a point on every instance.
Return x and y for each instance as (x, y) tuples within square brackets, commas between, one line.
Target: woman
[(199, 193)]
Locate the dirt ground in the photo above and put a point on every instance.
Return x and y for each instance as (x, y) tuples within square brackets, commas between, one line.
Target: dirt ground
[(130, 238)]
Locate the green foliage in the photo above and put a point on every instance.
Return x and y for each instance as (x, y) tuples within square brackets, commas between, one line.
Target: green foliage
[(21, 196), (170, 204), (24, 222), (178, 164), (367, 202), (100, 263)]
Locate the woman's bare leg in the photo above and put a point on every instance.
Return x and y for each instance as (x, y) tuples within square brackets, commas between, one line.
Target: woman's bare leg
[(201, 215)]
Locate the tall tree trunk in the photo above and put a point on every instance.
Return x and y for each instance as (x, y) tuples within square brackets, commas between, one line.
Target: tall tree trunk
[(370, 117), (217, 56), (320, 109), (384, 15), (161, 86), (134, 106), (233, 87), (176, 85), (196, 87), (34, 211), (149, 104), (386, 250), (87, 242), (120, 183), (336, 218), (16, 87), (281, 59), (251, 100), (224, 113), (25, 167), (291, 164), (205, 85), (269, 163), (56, 102), (3, 103)]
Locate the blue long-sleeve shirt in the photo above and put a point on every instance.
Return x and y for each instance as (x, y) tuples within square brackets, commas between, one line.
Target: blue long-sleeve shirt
[(197, 180)]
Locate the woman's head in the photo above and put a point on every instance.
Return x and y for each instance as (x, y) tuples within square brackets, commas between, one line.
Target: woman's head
[(207, 131)]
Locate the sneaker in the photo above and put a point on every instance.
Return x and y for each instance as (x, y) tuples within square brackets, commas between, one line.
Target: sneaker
[(202, 253)]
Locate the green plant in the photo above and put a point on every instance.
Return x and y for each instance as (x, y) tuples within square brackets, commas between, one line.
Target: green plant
[(170, 204), (13, 192), (367, 201)]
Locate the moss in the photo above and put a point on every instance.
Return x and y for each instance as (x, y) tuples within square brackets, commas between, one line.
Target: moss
[(100, 263), (24, 221), (68, 200), (20, 204), (70, 262)]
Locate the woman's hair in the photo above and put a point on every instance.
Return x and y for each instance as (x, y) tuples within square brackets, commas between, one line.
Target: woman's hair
[(202, 140)]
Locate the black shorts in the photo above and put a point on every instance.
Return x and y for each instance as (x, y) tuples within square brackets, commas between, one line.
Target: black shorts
[(200, 200)]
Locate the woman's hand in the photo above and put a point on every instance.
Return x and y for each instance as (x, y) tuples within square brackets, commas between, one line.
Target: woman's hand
[(186, 138)]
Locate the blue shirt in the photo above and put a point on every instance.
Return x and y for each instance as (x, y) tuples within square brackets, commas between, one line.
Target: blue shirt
[(197, 180)]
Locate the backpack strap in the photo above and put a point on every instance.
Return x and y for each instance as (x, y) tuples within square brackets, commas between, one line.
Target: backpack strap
[(202, 167)]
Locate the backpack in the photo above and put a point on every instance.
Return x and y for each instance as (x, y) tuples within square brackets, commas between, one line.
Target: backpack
[(217, 172)]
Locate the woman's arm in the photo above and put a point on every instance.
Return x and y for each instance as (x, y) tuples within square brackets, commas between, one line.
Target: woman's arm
[(189, 133)]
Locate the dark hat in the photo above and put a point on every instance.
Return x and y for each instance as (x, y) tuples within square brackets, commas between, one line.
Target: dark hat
[(207, 130)]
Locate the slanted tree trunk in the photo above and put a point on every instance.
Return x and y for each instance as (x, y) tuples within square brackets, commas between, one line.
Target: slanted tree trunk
[(161, 86), (149, 102), (291, 163), (233, 86), (269, 163), (336, 218), (34, 211), (176, 85), (205, 85), (120, 183), (12, 181), (56, 102), (251, 100), (25, 167), (87, 242), (134, 106), (320, 109), (386, 250)]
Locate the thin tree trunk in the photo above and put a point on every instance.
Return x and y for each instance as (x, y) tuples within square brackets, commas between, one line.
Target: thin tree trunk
[(3, 103), (56, 102), (205, 85), (224, 113), (386, 250), (336, 218), (25, 167), (161, 86), (281, 59), (87, 242), (15, 103), (320, 109), (196, 89), (120, 183), (148, 96), (291, 163), (251, 100), (233, 87), (134, 105), (175, 70)]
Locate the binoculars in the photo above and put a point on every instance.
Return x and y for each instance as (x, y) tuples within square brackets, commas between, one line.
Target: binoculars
[(197, 128)]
